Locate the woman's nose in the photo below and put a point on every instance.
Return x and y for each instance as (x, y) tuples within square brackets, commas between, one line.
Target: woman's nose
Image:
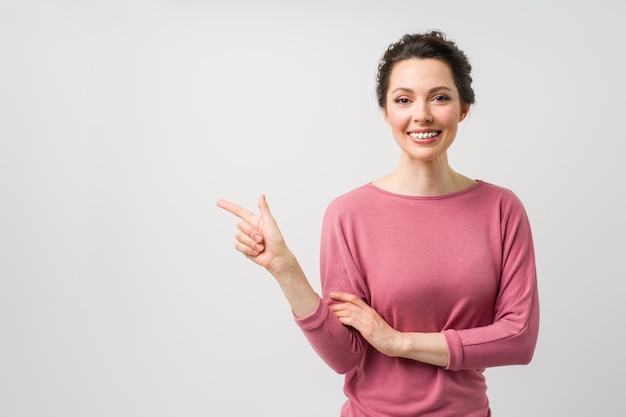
[(422, 114)]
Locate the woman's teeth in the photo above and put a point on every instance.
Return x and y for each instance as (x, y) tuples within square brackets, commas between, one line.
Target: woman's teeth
[(426, 135)]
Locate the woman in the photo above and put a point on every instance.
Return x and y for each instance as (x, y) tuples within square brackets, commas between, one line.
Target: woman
[(428, 276)]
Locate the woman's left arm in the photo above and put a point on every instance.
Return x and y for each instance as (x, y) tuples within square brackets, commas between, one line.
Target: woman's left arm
[(510, 340), (512, 336), (430, 348)]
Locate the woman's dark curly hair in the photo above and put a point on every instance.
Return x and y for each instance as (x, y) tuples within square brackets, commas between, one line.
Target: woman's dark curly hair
[(431, 44)]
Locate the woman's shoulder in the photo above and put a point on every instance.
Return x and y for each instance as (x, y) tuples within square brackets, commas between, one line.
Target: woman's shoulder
[(507, 201), (352, 199), (498, 191)]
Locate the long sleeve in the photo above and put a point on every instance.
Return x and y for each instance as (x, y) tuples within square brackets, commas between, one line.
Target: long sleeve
[(512, 337), (339, 346)]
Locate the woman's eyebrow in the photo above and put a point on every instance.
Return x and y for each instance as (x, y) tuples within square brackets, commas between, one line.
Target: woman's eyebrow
[(409, 90)]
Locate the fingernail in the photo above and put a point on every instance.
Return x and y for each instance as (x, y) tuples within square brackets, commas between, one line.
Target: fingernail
[(259, 248), (258, 237)]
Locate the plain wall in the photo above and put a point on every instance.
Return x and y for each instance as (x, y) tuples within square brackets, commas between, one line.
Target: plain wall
[(121, 123)]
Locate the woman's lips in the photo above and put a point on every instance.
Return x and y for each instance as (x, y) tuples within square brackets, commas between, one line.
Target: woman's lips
[(424, 135), (425, 138)]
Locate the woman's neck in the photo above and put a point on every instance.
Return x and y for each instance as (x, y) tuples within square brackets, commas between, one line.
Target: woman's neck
[(424, 179)]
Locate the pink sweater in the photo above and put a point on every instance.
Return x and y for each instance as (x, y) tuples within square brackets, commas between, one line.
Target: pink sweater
[(462, 264)]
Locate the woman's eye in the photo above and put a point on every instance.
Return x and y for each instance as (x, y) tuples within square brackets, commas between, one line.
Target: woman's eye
[(441, 98), (402, 100)]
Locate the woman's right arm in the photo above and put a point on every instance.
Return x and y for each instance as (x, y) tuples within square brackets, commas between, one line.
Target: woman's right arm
[(259, 238)]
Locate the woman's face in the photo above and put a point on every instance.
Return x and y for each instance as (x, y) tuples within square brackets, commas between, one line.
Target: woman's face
[(423, 108)]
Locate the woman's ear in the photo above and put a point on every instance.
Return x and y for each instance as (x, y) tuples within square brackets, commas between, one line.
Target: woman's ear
[(385, 114), (464, 112)]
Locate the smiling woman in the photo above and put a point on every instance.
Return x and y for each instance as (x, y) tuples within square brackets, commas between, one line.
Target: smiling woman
[(428, 276), (423, 109)]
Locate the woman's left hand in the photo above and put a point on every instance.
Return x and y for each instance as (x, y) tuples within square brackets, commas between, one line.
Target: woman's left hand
[(352, 311)]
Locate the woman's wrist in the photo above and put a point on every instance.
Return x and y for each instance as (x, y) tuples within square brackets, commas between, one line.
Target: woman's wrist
[(294, 284), (284, 266), (429, 348), (400, 345)]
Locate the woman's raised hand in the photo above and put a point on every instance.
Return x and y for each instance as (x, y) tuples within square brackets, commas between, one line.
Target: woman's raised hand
[(259, 238)]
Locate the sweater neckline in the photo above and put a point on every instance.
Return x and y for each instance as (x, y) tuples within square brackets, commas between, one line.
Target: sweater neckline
[(478, 184)]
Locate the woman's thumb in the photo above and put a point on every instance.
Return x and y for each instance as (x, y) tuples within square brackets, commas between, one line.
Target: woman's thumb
[(263, 207)]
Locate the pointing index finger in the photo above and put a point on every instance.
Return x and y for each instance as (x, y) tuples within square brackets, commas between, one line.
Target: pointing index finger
[(236, 210)]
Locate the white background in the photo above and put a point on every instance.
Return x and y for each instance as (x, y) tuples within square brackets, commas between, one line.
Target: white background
[(121, 123)]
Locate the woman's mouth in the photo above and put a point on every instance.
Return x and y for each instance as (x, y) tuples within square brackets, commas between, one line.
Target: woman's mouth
[(424, 135)]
